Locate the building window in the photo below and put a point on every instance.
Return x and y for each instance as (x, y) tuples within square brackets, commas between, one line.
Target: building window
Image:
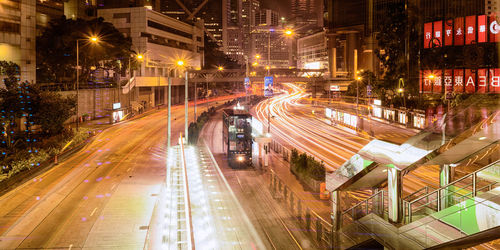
[(169, 29)]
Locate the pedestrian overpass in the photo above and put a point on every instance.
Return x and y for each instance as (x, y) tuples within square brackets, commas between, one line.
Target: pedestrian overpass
[(439, 189)]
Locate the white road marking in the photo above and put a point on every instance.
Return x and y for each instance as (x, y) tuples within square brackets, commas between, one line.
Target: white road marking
[(70, 246), (128, 169), (93, 211)]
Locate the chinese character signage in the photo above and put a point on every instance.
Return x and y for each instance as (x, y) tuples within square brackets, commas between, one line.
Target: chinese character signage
[(462, 31), (438, 31), (427, 35), (448, 32), (460, 80), (470, 29), (459, 31), (482, 35)]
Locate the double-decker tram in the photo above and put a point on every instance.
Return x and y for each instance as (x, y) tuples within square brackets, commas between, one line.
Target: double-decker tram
[(237, 137)]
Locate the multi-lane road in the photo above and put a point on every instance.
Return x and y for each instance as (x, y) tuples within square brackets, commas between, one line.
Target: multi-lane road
[(100, 197)]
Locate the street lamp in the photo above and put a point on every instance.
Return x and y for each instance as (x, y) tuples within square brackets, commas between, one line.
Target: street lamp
[(220, 68), (138, 57), (92, 39), (357, 95), (257, 56)]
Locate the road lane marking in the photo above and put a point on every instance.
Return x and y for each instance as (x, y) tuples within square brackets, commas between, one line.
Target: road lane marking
[(70, 246), (128, 169), (93, 211)]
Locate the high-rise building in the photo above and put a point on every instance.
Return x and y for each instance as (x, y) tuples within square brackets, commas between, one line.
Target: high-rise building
[(210, 12), (267, 17), (269, 44), (307, 14), (249, 9)]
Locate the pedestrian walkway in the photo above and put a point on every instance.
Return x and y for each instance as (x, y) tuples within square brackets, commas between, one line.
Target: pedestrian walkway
[(197, 208)]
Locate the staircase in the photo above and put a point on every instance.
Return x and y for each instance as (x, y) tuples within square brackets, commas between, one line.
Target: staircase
[(464, 208)]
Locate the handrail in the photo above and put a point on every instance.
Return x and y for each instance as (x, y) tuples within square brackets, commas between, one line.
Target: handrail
[(364, 201), (187, 200), (426, 191), (456, 181), (439, 196)]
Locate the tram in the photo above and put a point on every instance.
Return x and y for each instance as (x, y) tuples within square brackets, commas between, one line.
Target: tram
[(237, 137)]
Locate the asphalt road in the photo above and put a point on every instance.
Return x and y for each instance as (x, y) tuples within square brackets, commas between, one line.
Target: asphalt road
[(100, 197)]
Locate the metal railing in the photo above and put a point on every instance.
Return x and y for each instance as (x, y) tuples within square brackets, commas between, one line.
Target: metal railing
[(377, 204), (318, 227), (455, 192), (423, 191)]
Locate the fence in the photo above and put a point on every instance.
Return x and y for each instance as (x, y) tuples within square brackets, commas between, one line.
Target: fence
[(319, 228)]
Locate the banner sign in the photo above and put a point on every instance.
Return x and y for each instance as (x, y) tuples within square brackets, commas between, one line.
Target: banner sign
[(462, 31), (268, 86), (460, 80)]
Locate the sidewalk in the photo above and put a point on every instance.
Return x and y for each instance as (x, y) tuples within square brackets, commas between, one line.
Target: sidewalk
[(309, 198)]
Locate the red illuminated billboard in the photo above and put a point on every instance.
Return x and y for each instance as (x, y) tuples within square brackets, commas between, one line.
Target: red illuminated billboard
[(482, 31), (427, 83), (459, 31), (495, 81), (427, 35), (448, 32), (482, 80), (448, 80), (493, 28), (470, 81), (470, 29), (438, 80), (458, 80), (438, 33)]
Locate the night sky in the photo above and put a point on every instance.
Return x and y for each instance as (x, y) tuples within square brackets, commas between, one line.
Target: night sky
[(282, 6)]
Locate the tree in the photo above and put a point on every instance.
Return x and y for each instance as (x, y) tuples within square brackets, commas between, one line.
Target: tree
[(395, 26), (54, 110), (56, 49), (214, 57)]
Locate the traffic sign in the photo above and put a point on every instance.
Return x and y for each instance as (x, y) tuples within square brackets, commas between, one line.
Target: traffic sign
[(369, 90)]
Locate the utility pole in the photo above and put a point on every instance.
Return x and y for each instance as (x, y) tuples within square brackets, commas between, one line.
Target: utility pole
[(186, 107)]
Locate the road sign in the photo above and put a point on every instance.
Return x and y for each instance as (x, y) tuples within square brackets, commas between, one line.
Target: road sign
[(268, 86), (334, 88)]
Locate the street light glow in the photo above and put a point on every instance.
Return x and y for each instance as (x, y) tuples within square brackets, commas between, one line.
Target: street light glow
[(94, 39), (267, 67), (140, 56), (359, 78), (431, 76), (400, 90), (180, 63), (288, 32), (220, 68), (255, 64), (257, 56)]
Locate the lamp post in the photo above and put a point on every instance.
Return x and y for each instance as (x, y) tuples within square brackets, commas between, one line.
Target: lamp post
[(357, 96), (93, 39)]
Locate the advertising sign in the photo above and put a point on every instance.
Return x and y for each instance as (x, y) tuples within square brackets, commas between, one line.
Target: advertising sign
[(117, 105), (247, 82), (427, 83), (470, 29), (494, 28), (470, 81), (268, 86), (482, 31), (438, 82), (334, 88), (458, 80), (448, 81), (459, 31), (482, 80), (495, 81), (448, 32), (438, 33), (427, 35)]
